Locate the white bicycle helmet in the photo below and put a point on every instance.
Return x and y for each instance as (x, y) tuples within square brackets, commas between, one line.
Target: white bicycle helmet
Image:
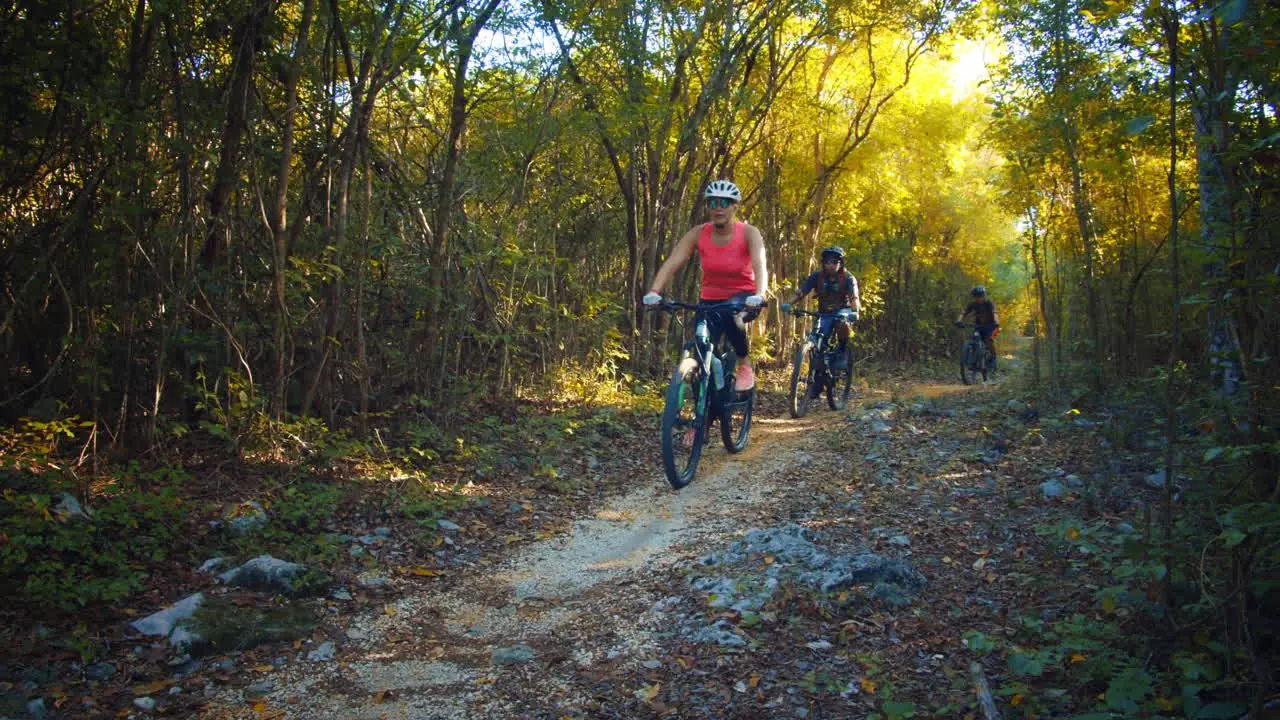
[(723, 189)]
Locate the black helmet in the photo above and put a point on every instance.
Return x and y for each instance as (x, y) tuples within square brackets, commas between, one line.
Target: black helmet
[(979, 291), (833, 252)]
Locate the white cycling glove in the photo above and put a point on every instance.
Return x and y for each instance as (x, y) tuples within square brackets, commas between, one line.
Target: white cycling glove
[(651, 298), (754, 301)]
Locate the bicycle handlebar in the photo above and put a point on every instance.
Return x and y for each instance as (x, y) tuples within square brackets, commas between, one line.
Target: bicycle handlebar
[(798, 312), (674, 305)]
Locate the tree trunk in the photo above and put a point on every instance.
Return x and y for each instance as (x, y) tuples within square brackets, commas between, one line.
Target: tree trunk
[(1084, 219), (1171, 28), (1043, 293), (364, 84), (246, 40), (362, 356), (278, 216), (465, 34)]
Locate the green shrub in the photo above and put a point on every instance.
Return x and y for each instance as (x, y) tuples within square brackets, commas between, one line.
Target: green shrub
[(70, 561)]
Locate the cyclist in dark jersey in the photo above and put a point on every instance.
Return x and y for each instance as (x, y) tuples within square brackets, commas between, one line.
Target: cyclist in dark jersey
[(837, 292), (985, 318)]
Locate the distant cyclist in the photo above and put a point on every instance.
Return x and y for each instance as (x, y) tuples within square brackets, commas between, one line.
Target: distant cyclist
[(733, 268), (837, 293), (985, 318)]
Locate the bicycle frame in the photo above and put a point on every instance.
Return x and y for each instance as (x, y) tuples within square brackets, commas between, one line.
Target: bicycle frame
[(816, 338), (825, 371), (707, 356), (975, 350), (979, 346), (702, 351), (705, 368)]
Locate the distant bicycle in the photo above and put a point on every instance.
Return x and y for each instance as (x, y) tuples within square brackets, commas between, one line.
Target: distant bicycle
[(702, 390), (976, 358), (817, 368)]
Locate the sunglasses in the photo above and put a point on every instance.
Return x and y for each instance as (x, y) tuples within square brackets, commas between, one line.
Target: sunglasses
[(717, 203), (831, 261)]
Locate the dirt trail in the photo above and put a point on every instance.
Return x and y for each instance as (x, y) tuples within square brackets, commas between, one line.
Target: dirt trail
[(536, 623), (431, 654)]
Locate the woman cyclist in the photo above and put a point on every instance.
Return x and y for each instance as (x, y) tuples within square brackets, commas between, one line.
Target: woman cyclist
[(732, 257)]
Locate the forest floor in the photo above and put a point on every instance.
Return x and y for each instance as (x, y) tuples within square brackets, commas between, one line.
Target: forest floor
[(851, 564)]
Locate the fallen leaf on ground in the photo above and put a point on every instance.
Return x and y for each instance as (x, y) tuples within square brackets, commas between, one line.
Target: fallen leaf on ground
[(152, 687)]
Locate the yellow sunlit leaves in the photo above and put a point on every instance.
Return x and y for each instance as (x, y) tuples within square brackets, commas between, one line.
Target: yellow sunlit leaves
[(868, 686)]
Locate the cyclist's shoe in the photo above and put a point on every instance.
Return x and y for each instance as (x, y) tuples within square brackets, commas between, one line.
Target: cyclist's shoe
[(745, 378), (815, 392)]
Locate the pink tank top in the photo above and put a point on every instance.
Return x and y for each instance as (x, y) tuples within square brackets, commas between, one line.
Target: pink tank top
[(726, 271)]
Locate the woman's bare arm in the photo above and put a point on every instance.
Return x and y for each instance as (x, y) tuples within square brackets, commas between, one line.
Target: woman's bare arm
[(680, 255)]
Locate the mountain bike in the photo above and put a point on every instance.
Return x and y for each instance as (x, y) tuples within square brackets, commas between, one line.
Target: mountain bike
[(976, 358), (818, 367), (702, 390)]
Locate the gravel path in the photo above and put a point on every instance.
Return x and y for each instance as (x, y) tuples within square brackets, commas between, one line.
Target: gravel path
[(440, 653)]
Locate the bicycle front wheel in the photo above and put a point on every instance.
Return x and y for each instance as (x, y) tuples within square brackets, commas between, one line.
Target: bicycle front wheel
[(801, 380), (968, 364), (841, 385), (684, 422)]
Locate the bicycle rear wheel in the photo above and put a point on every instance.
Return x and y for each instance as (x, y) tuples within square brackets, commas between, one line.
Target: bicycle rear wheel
[(735, 418), (684, 422), (801, 380), (841, 385)]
